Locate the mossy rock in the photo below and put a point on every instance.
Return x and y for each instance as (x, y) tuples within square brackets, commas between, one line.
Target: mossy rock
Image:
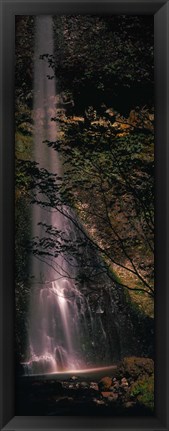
[(133, 368), (143, 391)]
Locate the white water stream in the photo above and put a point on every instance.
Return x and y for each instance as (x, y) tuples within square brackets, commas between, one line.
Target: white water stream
[(60, 319), (68, 330)]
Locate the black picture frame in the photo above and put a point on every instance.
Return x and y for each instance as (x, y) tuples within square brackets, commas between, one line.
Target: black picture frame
[(160, 10)]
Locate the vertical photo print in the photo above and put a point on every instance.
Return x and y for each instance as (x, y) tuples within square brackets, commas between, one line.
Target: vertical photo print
[(84, 215)]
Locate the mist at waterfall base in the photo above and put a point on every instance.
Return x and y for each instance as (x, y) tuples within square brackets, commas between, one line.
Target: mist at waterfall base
[(63, 332)]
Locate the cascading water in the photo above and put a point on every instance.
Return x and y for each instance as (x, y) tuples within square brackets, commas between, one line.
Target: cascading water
[(59, 315), (63, 332)]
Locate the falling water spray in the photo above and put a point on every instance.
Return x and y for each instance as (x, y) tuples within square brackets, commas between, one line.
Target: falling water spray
[(53, 338), (61, 327)]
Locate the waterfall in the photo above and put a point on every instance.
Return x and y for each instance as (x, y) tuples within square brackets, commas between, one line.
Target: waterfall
[(60, 318), (53, 339), (65, 332)]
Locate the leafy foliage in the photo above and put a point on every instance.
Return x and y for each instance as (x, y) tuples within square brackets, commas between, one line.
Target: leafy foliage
[(102, 58), (134, 368), (109, 181), (143, 390)]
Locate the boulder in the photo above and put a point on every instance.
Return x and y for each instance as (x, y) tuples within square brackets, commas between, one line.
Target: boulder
[(105, 383)]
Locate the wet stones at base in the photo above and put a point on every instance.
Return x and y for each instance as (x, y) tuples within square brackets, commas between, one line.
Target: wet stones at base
[(127, 394), (53, 397)]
